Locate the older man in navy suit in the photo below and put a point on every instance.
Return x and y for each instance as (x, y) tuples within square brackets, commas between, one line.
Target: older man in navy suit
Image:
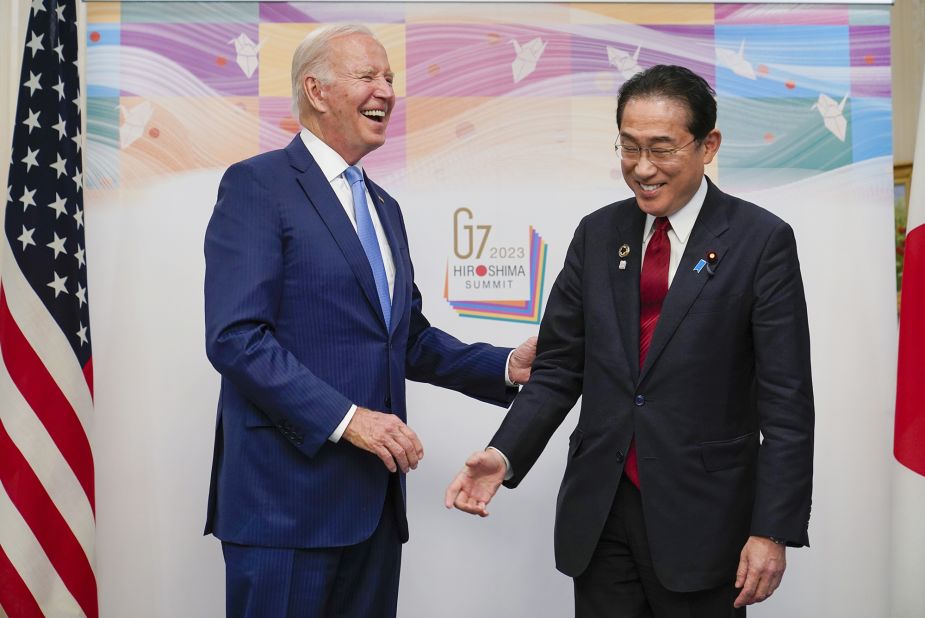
[(314, 322), (680, 319)]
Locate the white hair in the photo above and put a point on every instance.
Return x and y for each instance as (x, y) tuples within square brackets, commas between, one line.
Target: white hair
[(311, 57)]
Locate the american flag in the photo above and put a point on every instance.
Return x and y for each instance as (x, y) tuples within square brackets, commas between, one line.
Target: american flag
[(47, 517)]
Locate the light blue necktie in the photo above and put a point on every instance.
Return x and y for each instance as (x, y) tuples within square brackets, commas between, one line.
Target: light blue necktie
[(368, 239)]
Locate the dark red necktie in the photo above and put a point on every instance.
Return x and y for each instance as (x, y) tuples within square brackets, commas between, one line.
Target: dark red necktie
[(653, 287)]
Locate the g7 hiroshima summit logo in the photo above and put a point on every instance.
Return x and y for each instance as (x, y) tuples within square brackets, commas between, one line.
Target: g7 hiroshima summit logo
[(495, 272)]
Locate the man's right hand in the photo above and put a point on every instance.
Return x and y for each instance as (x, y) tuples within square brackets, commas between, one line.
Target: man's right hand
[(387, 437), (477, 482)]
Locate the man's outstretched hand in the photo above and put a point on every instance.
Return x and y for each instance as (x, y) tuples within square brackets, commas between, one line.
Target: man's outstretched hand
[(476, 483)]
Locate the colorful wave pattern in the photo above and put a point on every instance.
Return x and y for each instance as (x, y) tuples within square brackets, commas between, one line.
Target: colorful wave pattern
[(456, 91), (527, 311)]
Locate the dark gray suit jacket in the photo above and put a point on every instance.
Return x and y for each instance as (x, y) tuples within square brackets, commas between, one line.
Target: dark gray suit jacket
[(729, 363)]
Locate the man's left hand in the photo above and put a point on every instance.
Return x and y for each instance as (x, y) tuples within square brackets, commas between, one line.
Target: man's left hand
[(521, 360), (761, 568)]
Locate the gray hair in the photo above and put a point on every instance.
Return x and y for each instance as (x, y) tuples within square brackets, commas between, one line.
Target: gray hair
[(311, 58)]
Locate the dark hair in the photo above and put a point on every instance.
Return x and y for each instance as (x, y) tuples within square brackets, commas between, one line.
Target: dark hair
[(678, 83)]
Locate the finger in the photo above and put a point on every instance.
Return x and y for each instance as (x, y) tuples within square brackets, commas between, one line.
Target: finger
[(466, 504), (747, 596), (415, 441), (741, 572), (449, 497), (399, 455), (386, 457), (763, 590)]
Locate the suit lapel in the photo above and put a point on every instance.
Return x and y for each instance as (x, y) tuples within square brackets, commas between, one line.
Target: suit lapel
[(687, 283), (322, 197), (387, 217), (625, 282)]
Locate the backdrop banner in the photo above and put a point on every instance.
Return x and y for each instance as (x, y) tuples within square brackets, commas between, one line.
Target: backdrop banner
[(501, 140)]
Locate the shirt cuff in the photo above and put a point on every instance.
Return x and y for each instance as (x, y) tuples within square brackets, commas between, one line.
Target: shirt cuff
[(509, 472), (507, 375), (339, 430)]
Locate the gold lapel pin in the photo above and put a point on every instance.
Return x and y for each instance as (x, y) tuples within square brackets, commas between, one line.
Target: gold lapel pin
[(711, 257), (624, 251)]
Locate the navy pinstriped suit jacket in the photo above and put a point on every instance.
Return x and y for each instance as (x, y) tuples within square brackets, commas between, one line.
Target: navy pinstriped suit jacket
[(294, 327)]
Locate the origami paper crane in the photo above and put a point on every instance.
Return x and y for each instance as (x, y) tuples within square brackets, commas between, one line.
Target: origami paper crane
[(528, 55), (735, 61), (627, 64), (136, 119), (833, 115), (247, 53)]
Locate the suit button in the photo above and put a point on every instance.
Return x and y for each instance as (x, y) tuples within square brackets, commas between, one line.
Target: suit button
[(388, 402), (640, 400), (620, 456)]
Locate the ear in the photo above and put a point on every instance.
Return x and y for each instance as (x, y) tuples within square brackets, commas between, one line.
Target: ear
[(711, 145), (315, 93)]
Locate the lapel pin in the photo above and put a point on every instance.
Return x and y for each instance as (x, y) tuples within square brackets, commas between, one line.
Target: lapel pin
[(624, 251), (700, 266), (622, 264), (712, 258)]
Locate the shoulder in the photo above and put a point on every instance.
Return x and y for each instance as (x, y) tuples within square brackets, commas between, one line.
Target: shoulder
[(743, 212), (611, 214)]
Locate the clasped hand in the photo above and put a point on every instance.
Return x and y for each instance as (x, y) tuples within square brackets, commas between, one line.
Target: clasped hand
[(387, 437)]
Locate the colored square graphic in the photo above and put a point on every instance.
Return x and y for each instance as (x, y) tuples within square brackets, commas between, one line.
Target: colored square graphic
[(782, 62), (473, 60), (199, 59)]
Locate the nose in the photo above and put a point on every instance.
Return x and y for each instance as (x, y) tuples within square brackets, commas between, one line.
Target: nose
[(384, 89), (644, 167)]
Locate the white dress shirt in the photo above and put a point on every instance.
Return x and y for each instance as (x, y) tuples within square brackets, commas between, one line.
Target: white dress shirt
[(682, 222)]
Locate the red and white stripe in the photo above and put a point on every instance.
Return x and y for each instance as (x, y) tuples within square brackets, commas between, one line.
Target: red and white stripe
[(46, 465)]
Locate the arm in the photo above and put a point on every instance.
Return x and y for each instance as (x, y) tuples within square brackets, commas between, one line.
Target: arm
[(786, 416), (554, 386)]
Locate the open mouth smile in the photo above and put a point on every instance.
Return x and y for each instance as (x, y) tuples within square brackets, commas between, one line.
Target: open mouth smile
[(376, 115)]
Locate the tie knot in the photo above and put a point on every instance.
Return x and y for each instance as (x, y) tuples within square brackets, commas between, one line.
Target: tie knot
[(353, 175), (662, 224)]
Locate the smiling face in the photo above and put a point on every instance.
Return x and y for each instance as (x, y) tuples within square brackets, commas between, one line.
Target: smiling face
[(351, 111), (664, 187)]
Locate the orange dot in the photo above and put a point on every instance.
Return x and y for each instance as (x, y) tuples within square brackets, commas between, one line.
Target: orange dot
[(869, 59), (464, 129), (433, 70), (769, 137), (289, 124), (790, 84), (493, 38), (221, 61), (763, 69), (154, 132), (94, 36)]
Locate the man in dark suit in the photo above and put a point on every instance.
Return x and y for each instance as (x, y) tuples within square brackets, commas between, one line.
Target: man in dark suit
[(679, 317), (314, 322)]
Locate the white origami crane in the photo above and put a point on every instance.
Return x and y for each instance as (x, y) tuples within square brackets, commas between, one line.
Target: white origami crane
[(627, 64), (528, 55), (247, 53), (833, 115), (735, 61), (136, 119)]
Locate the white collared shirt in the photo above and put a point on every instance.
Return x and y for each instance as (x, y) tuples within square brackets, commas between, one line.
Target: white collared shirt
[(682, 222), (333, 166)]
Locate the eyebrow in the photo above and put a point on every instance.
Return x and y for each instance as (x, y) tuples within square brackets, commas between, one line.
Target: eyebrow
[(656, 139)]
